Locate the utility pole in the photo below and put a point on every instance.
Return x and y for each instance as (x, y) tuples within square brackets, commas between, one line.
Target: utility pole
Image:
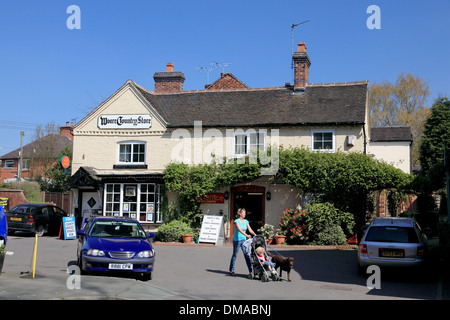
[(20, 156)]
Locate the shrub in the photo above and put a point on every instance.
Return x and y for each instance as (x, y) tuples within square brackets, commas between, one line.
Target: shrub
[(317, 223), (31, 190), (331, 235), (173, 231), (267, 231), (293, 223)]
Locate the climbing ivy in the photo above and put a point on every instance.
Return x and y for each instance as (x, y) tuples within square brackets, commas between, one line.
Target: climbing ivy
[(344, 179), (193, 182)]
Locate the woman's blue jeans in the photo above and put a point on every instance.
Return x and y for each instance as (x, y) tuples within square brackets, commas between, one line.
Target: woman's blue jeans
[(236, 246)]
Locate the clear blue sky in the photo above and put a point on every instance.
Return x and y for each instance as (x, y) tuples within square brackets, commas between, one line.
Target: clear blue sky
[(51, 73)]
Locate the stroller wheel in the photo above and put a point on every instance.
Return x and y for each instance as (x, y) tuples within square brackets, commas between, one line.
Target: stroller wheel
[(263, 277)]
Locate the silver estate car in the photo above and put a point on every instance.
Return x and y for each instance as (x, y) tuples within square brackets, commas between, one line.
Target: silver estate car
[(392, 242)]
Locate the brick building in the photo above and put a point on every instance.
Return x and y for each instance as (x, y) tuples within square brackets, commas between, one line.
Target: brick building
[(34, 153)]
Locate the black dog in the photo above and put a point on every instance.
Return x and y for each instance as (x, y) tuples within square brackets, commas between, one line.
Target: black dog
[(285, 264)]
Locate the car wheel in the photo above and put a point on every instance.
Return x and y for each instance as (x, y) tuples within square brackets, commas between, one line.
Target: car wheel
[(80, 266), (362, 270), (40, 230), (146, 276)]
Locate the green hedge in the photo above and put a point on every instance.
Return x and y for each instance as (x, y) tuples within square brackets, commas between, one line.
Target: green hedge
[(173, 231)]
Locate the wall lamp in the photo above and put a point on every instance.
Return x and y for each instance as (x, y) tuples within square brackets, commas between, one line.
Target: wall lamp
[(268, 195)]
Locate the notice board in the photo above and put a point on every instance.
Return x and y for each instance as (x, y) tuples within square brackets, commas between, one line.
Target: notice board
[(212, 230)]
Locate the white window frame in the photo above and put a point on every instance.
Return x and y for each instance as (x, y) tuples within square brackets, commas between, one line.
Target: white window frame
[(26, 164), (333, 133), (248, 144), (132, 144), (121, 205), (9, 164)]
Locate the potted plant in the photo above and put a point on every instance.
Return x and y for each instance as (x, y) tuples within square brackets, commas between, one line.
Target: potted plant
[(280, 236), (187, 237), (267, 231)]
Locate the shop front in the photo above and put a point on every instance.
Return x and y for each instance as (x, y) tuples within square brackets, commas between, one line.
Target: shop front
[(130, 196)]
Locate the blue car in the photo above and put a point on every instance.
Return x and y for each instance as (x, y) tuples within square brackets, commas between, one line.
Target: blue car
[(3, 227), (111, 244)]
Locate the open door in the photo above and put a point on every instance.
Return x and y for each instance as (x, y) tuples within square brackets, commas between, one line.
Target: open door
[(251, 198)]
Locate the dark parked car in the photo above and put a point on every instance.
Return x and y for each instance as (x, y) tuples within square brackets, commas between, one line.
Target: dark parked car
[(110, 244), (37, 218)]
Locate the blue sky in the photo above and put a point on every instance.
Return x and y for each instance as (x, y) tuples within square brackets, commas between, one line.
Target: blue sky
[(51, 73)]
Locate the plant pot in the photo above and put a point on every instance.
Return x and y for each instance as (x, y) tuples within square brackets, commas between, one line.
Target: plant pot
[(187, 238), (279, 239), (269, 241), (2, 259)]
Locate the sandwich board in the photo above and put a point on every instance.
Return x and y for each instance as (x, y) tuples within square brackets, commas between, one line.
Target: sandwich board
[(212, 230)]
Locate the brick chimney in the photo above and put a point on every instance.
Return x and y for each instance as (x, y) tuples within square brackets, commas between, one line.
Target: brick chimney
[(301, 67), (169, 81), (67, 130)]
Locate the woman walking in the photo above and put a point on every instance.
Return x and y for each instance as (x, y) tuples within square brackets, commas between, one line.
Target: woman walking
[(240, 235)]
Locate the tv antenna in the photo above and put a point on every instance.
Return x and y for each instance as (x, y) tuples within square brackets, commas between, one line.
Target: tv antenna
[(292, 39), (292, 33), (213, 66), (222, 65), (208, 70)]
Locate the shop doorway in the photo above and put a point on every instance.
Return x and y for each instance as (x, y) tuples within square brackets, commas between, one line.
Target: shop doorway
[(251, 198)]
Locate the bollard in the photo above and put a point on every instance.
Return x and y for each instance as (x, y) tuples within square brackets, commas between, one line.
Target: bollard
[(34, 255)]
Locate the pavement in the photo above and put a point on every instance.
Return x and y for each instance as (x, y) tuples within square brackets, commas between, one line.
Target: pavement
[(209, 278)]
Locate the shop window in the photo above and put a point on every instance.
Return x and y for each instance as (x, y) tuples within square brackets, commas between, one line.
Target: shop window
[(140, 201)]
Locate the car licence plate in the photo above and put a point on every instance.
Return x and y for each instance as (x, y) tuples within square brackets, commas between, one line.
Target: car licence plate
[(15, 219), (392, 253), (121, 266)]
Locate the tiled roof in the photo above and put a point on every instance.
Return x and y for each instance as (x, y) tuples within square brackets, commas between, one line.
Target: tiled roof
[(319, 104), (378, 134), (53, 143)]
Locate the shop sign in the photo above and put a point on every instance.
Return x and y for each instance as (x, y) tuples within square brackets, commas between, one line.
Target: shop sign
[(4, 202), (212, 229), (69, 228), (212, 198), (124, 121)]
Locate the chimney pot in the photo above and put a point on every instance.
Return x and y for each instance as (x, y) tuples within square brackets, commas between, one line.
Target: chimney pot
[(301, 47), (168, 81)]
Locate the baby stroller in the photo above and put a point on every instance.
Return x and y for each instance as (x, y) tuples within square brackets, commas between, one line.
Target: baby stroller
[(258, 268)]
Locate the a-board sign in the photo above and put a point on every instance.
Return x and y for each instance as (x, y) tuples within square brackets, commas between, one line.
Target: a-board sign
[(212, 229), (70, 231)]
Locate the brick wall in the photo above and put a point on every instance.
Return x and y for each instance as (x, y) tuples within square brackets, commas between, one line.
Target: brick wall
[(15, 197), (227, 81)]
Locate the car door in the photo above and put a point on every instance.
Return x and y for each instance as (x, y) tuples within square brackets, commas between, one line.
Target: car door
[(54, 218)]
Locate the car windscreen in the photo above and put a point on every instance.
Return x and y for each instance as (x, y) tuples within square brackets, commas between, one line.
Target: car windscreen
[(112, 228), (391, 234)]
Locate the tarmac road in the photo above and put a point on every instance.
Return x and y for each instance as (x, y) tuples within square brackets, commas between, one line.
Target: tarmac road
[(200, 272)]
